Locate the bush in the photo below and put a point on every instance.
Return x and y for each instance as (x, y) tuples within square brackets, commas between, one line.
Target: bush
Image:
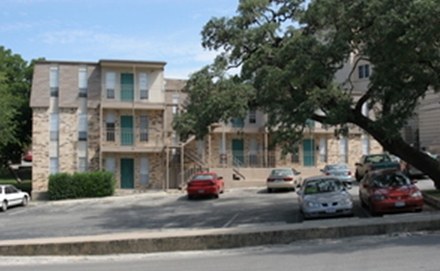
[(81, 185)]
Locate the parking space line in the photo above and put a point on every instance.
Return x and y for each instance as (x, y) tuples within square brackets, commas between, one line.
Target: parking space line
[(227, 224)]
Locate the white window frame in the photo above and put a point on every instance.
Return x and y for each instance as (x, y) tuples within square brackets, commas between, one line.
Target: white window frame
[(175, 102), (54, 81), (110, 119), (364, 71), (110, 164), (53, 165), (143, 86), (343, 150), (54, 126), (144, 171), (110, 85), (252, 116), (365, 145), (323, 150), (82, 81), (144, 128), (82, 127)]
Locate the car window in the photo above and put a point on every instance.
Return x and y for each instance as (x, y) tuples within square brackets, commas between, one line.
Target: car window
[(387, 180), (203, 177), (337, 167), (323, 186), (377, 159), (281, 172)]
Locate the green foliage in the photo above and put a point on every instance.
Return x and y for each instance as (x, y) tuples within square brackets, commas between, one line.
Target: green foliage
[(81, 185), (25, 186), (288, 55), (15, 111)]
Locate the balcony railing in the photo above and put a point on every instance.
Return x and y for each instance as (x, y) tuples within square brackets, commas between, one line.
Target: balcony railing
[(132, 137)]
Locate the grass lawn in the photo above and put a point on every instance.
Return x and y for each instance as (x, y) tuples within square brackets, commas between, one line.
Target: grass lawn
[(25, 185), (433, 192)]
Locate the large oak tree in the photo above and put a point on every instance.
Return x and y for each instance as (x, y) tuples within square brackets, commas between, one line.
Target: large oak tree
[(15, 111), (288, 54)]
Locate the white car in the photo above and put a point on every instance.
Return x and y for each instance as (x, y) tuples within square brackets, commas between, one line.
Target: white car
[(283, 178), (11, 196)]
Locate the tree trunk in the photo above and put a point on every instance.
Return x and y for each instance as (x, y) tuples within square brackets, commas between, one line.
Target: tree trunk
[(403, 150)]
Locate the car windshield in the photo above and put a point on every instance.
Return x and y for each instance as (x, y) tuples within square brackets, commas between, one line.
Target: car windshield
[(281, 172), (337, 167), (323, 186), (390, 179), (202, 177), (377, 158)]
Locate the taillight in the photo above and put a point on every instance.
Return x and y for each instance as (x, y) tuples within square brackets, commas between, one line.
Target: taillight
[(327, 173), (288, 179), (190, 184), (212, 183), (270, 180), (349, 173)]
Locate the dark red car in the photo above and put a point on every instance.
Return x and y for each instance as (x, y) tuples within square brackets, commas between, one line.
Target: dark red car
[(388, 191), (27, 156), (205, 183)]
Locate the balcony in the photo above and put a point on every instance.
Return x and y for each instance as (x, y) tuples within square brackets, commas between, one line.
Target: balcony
[(131, 140)]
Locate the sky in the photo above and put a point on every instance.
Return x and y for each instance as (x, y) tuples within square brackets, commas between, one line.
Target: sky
[(91, 30)]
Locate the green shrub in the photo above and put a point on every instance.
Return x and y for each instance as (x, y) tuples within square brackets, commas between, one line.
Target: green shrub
[(81, 185)]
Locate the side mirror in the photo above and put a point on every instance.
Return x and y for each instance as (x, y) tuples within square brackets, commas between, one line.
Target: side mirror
[(220, 177), (348, 186), (300, 192), (322, 170), (297, 173), (358, 164)]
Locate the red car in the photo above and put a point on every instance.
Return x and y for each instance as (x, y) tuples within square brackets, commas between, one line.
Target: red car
[(388, 191), (205, 183), (27, 156)]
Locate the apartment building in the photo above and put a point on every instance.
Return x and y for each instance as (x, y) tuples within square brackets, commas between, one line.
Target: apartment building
[(116, 115)]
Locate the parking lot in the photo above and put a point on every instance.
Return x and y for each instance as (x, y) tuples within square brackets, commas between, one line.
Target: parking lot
[(162, 211)]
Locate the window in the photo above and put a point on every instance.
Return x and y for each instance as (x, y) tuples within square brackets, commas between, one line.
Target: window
[(310, 123), (143, 86), (110, 127), (253, 151), (110, 164), (294, 158), (252, 116), (82, 127), (82, 164), (323, 150), (343, 147), (82, 82), (54, 81), (54, 126), (143, 127), (110, 83), (144, 174), (175, 102), (365, 145), (364, 71), (53, 166), (237, 122)]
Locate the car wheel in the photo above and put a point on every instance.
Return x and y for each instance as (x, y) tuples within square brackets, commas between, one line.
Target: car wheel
[(216, 196), (4, 206), (372, 211), (269, 190), (25, 201), (190, 197)]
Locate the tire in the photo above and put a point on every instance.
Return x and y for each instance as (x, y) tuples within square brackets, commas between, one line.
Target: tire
[(25, 201), (269, 190), (216, 196), (190, 197), (371, 210), (4, 206)]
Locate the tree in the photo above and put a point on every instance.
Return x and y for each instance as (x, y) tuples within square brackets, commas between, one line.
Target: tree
[(15, 111), (289, 53)]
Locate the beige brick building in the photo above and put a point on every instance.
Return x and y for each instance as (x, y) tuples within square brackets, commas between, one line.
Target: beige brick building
[(117, 116)]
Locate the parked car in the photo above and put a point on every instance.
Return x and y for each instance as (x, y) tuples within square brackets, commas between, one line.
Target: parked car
[(340, 171), (374, 162), (205, 183), (27, 156), (388, 190), (283, 178), (11, 196), (323, 196)]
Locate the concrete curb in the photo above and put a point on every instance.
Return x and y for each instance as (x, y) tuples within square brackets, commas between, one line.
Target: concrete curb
[(431, 200), (186, 240)]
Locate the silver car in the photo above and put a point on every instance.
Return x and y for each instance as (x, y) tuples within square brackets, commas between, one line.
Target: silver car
[(283, 178), (324, 196), (340, 171)]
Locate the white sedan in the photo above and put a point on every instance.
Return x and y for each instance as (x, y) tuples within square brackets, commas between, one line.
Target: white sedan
[(11, 196)]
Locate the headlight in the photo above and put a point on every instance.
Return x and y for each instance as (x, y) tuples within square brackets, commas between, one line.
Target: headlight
[(416, 194), (311, 204), (346, 201), (379, 197)]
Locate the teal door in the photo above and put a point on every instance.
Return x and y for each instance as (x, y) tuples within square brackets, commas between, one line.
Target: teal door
[(127, 173), (308, 152), (127, 134), (238, 152), (127, 87)]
